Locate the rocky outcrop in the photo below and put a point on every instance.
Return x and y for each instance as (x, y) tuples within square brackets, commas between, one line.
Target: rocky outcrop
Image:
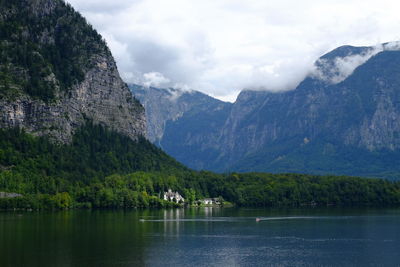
[(165, 106), (161, 105), (102, 97), (98, 94)]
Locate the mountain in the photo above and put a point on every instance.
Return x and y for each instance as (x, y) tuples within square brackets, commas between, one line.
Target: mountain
[(71, 133), (181, 121), (344, 118), (67, 119), (56, 72)]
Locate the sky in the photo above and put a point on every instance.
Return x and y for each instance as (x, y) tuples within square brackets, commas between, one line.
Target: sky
[(221, 47)]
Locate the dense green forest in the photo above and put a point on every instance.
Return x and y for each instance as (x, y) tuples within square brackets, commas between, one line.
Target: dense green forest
[(103, 169)]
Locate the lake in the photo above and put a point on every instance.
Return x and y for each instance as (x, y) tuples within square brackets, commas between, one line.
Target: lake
[(202, 237)]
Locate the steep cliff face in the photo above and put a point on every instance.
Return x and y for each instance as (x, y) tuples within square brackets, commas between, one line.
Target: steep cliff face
[(56, 72), (186, 124), (377, 86), (321, 122), (165, 106), (342, 119), (162, 105)]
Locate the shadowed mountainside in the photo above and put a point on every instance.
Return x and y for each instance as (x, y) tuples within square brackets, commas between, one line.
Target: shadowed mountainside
[(333, 122)]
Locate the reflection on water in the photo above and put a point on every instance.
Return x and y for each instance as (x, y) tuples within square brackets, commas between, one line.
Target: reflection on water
[(76, 238), (201, 237)]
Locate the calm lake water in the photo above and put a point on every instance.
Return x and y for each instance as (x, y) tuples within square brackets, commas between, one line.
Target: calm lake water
[(202, 237)]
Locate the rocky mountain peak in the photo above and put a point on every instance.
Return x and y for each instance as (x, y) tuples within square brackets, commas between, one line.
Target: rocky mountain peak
[(56, 72)]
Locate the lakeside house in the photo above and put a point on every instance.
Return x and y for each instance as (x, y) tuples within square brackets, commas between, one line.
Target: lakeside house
[(173, 196), (211, 201), (9, 195)]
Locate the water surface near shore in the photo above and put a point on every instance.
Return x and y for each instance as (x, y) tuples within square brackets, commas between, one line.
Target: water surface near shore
[(202, 237)]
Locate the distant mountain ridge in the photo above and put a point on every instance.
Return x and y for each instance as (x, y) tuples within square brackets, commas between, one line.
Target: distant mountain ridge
[(347, 125), (164, 106)]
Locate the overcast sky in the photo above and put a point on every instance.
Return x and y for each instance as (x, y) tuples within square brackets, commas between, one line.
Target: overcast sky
[(222, 46)]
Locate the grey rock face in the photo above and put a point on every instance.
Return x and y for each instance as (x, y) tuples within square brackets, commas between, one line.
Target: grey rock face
[(101, 96), (186, 124), (166, 106), (161, 105)]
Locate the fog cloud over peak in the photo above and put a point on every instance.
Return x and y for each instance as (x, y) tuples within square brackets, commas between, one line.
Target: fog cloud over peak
[(221, 47), (338, 69), (155, 79)]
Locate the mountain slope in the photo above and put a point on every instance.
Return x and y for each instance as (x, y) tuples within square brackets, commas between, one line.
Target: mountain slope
[(342, 119), (165, 106), (184, 123), (69, 126), (59, 81), (72, 134), (328, 123), (56, 72)]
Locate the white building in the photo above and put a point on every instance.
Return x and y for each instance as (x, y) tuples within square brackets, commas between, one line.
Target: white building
[(173, 196), (211, 201), (9, 195)]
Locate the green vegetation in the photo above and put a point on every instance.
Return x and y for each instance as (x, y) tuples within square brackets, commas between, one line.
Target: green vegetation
[(46, 46), (103, 169), (40, 52), (94, 153), (322, 158), (50, 174)]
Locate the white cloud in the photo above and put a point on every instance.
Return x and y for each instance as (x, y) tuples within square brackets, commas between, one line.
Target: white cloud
[(392, 46), (221, 47), (338, 69), (155, 79)]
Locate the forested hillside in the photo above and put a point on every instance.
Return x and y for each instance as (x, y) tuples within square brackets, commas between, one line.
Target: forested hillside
[(56, 71), (72, 134), (37, 41), (104, 169), (33, 165)]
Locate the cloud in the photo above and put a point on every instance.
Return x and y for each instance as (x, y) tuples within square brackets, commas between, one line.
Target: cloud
[(336, 70), (155, 79), (102, 6), (391, 46), (221, 47)]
